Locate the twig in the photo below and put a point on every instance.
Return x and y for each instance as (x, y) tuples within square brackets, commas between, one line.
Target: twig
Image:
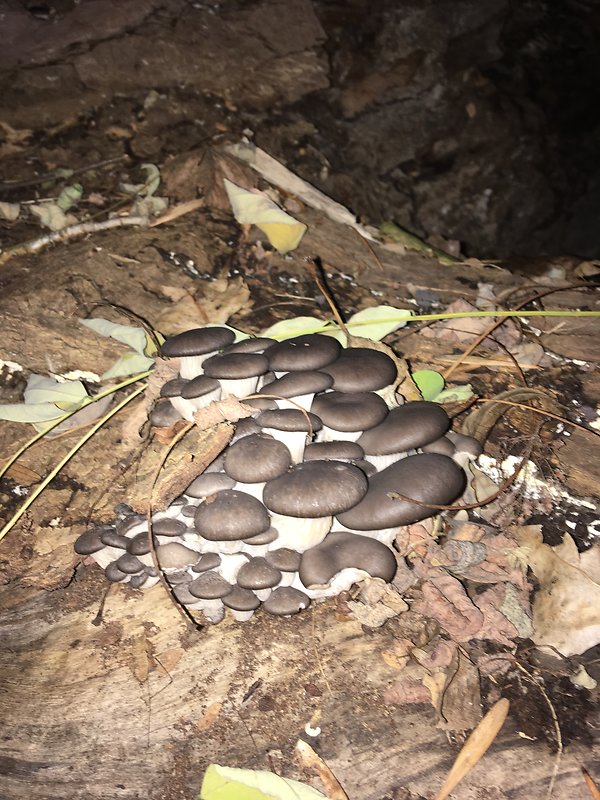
[(316, 268), (58, 174)]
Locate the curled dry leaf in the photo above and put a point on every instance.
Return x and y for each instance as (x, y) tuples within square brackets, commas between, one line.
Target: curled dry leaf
[(445, 600), (310, 760)]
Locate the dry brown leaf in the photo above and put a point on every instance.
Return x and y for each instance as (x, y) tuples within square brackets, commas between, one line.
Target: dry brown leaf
[(220, 298), (169, 659), (460, 708), (141, 658), (207, 720), (22, 474), (230, 409), (310, 760), (475, 747), (566, 609), (445, 600)]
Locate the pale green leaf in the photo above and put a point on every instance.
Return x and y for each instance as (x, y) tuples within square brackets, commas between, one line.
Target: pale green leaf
[(255, 208), (128, 364), (429, 383), (456, 394), (29, 412), (229, 783), (69, 196), (10, 211), (134, 337), (297, 326), (374, 323), (149, 186), (65, 394), (51, 216)]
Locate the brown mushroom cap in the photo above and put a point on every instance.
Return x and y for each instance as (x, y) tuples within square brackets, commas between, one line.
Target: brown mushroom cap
[(407, 427), (198, 387), (175, 556), (294, 384), (209, 586), (257, 573), (111, 538), (350, 411), (315, 489), (336, 451), (207, 561), (164, 414), (240, 599), (114, 574), (443, 446), (197, 342), (289, 419), (361, 369), (168, 527), (343, 550), (139, 545), (256, 458), (231, 515), (285, 601), (284, 559), (89, 542), (209, 483), (129, 564), (310, 352), (427, 477), (255, 344), (233, 366)]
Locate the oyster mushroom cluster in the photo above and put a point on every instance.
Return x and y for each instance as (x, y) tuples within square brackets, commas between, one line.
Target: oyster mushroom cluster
[(304, 501)]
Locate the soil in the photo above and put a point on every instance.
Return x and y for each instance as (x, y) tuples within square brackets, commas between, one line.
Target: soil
[(111, 694)]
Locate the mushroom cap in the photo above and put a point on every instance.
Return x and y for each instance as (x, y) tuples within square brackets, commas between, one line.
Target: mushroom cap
[(284, 559), (129, 564), (139, 545), (315, 489), (286, 600), (255, 344), (164, 414), (114, 574), (257, 573), (467, 444), (361, 369), (293, 384), (233, 366), (427, 477), (123, 526), (209, 586), (240, 599), (207, 561), (443, 445), (338, 451), (199, 386), (168, 527), (175, 556), (111, 538), (89, 542), (262, 403), (289, 419), (196, 342), (406, 428), (256, 458), (349, 411), (244, 427), (263, 538), (309, 352), (231, 515), (173, 388), (342, 550), (209, 483)]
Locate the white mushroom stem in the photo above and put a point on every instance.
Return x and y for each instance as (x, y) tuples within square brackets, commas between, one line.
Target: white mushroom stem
[(241, 616), (213, 610), (381, 462), (302, 400), (258, 549), (150, 582), (298, 533), (230, 566), (287, 578), (327, 434), (340, 582), (206, 399), (262, 594), (255, 489), (295, 441), (241, 387), (385, 535), (222, 547), (191, 366), (107, 555), (183, 407)]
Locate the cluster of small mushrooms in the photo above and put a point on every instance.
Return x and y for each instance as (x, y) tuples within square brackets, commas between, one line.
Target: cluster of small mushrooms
[(302, 503)]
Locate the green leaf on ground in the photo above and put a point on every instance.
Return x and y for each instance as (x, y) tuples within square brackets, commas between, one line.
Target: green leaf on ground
[(229, 783), (429, 383)]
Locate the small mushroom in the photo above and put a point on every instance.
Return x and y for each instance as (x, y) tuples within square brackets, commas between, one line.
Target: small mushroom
[(229, 517), (209, 483), (201, 391), (260, 576), (297, 388), (345, 415), (242, 603), (171, 390), (310, 352), (334, 451), (287, 561), (210, 588), (285, 601), (303, 500), (175, 556), (342, 559), (361, 369), (291, 427), (164, 414), (207, 561), (255, 459), (193, 347), (238, 373)]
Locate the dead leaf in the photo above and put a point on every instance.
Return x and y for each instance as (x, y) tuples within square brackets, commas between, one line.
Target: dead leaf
[(476, 746), (169, 659), (219, 299), (310, 760), (207, 720), (230, 409), (566, 609), (140, 658), (445, 600)]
